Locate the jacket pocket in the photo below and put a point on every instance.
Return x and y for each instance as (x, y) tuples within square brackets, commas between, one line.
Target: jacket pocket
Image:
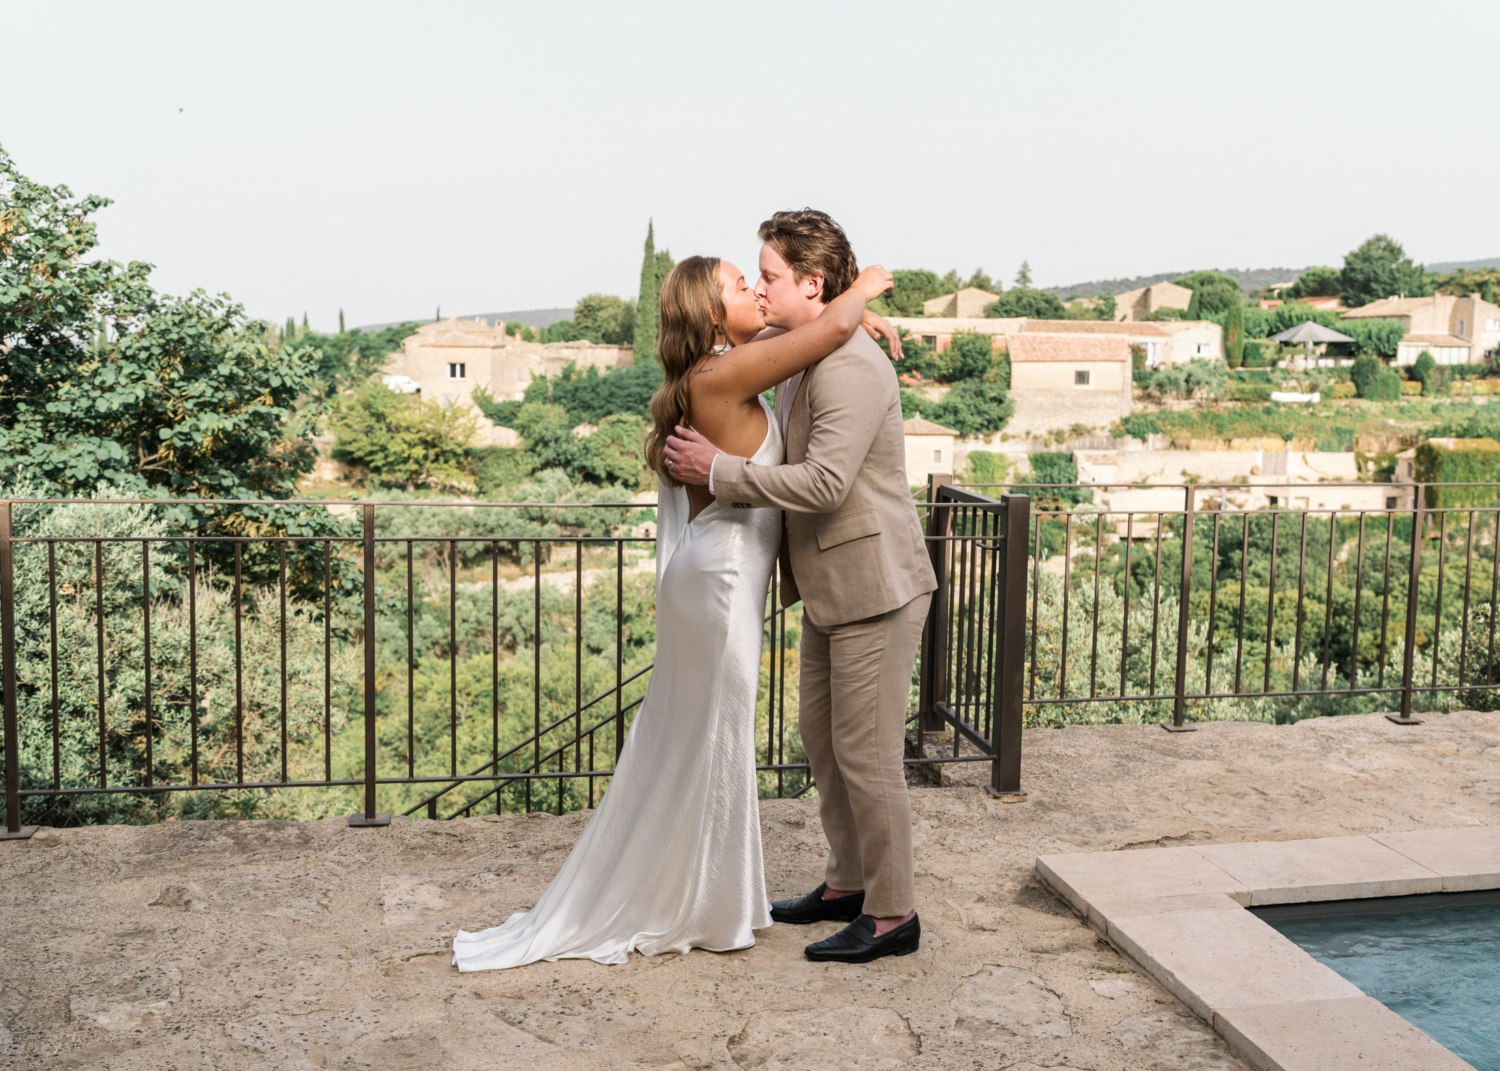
[(846, 528)]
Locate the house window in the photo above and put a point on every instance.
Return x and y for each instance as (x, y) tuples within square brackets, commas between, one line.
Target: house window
[(1081, 378), (1200, 350), (1390, 503), (937, 455), (1492, 325), (520, 375), (1463, 328), (455, 371), (930, 340)]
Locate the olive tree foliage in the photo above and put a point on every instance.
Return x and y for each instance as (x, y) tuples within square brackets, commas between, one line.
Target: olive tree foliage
[(402, 440), (109, 382)]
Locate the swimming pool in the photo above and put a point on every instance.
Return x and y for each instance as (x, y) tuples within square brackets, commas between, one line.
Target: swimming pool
[(1432, 959)]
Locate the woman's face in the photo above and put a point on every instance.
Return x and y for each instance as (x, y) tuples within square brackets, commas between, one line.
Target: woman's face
[(743, 318)]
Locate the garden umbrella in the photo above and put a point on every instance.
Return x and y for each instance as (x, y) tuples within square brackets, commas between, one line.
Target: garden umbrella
[(1310, 332)]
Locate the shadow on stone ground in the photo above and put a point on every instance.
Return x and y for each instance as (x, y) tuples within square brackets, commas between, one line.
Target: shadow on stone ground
[(214, 946)]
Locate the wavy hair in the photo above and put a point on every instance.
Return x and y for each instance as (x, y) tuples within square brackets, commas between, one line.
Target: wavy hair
[(692, 311)]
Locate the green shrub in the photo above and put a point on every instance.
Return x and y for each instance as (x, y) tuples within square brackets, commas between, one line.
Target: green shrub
[(1366, 367), (1385, 387), (1343, 390), (1423, 365), (1449, 461), (1255, 354), (985, 466)]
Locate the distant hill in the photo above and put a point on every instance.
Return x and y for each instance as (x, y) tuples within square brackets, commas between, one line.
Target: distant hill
[(1449, 265), (1249, 279), (530, 317)]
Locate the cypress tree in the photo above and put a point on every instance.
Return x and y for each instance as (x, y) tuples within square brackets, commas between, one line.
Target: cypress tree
[(341, 321), (648, 305), (1234, 334), (1192, 309), (291, 329), (304, 321)]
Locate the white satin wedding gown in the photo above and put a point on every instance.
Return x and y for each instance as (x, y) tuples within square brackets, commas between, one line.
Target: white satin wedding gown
[(671, 860)]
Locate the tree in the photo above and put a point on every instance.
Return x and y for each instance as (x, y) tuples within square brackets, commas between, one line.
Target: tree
[(1314, 282), (981, 281), (909, 288), (654, 268), (611, 318), (341, 321), (1234, 335), (1194, 309), (1023, 301), (972, 407), (400, 439), (1366, 368), (970, 356), (1023, 274), (1380, 269), (1214, 291), (1461, 282), (952, 282), (188, 398)]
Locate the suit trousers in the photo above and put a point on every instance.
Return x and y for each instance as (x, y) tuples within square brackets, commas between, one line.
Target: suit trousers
[(856, 679)]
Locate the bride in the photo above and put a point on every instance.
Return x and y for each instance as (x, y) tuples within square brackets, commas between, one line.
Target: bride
[(671, 860)]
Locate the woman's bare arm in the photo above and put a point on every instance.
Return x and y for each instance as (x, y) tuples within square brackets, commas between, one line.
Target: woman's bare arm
[(745, 371)]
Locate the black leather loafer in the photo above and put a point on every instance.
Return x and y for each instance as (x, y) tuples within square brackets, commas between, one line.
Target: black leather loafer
[(857, 943), (813, 908)]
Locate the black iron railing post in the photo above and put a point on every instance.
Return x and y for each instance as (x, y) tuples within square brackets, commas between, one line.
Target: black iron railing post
[(1413, 590), (369, 817), (1179, 698), (1010, 581), (13, 828), (930, 684)]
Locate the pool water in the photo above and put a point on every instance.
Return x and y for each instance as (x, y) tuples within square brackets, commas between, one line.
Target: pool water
[(1434, 960)]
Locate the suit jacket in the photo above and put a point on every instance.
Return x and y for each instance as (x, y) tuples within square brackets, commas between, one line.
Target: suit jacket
[(852, 545)]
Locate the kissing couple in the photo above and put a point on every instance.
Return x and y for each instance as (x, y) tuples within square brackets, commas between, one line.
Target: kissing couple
[(671, 860)]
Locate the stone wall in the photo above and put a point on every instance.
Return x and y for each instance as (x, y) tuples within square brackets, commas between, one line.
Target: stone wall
[(1041, 411)]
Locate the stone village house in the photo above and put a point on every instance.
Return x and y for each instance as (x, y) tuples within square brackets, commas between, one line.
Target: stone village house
[(1455, 330), (448, 360), (1168, 342)]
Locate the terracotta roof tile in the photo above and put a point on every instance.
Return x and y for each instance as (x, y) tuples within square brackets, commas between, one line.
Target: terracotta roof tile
[(918, 426), (1040, 346)]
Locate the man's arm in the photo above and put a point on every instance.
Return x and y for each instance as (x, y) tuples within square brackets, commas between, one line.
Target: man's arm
[(848, 401)]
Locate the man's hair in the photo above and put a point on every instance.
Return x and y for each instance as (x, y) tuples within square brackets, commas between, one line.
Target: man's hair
[(813, 244)]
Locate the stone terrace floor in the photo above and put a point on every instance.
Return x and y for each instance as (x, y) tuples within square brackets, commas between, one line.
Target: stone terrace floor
[(219, 946)]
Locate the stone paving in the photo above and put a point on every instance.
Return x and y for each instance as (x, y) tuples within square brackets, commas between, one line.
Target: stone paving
[(220, 946)]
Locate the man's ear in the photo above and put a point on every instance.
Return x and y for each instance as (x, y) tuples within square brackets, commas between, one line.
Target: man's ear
[(814, 286)]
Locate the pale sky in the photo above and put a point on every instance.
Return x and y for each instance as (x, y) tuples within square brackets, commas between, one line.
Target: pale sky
[(387, 157)]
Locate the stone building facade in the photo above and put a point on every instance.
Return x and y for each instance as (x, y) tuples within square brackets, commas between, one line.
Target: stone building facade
[(1134, 305), (929, 449), (1167, 342), (449, 359), (1455, 330), (1058, 380), (966, 303)]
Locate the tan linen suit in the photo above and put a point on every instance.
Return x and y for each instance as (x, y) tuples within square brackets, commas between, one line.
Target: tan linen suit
[(852, 551)]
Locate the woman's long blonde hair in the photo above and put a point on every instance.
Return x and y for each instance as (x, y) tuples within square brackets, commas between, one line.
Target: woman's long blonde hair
[(692, 311)]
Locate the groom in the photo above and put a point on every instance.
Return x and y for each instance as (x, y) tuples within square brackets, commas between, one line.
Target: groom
[(852, 551)]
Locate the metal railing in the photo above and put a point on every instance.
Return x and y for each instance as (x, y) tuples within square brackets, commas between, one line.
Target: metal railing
[(1211, 604), (496, 669), (144, 665)]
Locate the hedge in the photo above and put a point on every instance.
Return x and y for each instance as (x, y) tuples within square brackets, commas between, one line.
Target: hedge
[(1411, 386), (1465, 461)]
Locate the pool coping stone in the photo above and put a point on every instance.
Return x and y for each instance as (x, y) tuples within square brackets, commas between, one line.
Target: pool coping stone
[(1178, 914)]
